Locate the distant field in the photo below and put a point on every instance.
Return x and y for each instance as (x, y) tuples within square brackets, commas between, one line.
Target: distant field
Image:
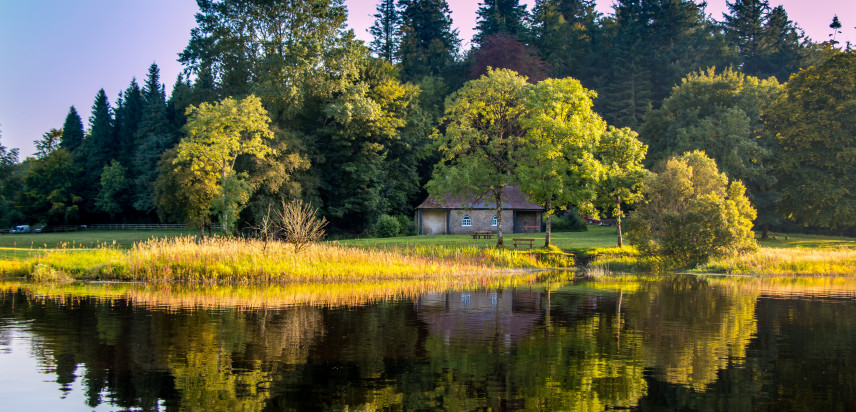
[(595, 237), (787, 241), (23, 245)]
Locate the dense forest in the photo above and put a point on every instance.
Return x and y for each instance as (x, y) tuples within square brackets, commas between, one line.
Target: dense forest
[(351, 124)]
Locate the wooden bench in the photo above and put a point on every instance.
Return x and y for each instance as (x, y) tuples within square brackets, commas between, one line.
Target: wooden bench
[(482, 235), (526, 229), (523, 240)]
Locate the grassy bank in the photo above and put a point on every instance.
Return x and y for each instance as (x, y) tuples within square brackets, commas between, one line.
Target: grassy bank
[(16, 246), (237, 261)]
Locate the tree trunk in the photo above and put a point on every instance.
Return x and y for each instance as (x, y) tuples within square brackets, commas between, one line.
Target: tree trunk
[(498, 198), (223, 188), (765, 231), (547, 238), (618, 222)]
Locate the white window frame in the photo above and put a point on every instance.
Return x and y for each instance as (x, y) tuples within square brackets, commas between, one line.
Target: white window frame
[(466, 221), (494, 221)]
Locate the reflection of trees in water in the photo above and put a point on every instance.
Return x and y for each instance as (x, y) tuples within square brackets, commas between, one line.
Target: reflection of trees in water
[(193, 358), (573, 348), (691, 329)]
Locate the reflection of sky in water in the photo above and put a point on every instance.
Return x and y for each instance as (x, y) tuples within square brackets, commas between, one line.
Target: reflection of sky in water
[(33, 383)]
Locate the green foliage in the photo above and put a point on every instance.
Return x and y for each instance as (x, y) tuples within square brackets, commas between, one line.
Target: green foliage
[(478, 147), (570, 221), (500, 16), (216, 135), (386, 30), (114, 189), (386, 226), (428, 43), (721, 114), (814, 124), (555, 162), (49, 190), (621, 155), (49, 142), (691, 213), (10, 183), (72, 131), (95, 152), (185, 193), (406, 225)]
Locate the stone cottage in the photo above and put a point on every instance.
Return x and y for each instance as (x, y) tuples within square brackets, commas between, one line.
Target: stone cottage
[(465, 216)]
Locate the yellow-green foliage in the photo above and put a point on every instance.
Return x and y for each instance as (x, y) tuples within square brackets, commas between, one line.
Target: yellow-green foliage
[(769, 261)]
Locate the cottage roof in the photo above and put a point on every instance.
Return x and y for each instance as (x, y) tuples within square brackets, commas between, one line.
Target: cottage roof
[(513, 199)]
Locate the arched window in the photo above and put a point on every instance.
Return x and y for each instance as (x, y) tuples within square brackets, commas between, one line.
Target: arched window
[(466, 221), (494, 222)]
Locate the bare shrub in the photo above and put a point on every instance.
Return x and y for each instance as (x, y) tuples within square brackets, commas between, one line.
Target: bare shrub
[(298, 224)]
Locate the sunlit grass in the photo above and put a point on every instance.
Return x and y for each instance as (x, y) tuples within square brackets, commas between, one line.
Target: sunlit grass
[(238, 261), (796, 261)]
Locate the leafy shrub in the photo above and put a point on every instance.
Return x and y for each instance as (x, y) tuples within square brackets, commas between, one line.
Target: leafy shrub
[(406, 226), (569, 221), (386, 226), (691, 213)]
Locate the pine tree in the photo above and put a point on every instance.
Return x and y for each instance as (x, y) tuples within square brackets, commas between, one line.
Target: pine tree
[(96, 151), (129, 113), (386, 30), (565, 33), (836, 29), (153, 138), (500, 17), (72, 131), (768, 44), (428, 43)]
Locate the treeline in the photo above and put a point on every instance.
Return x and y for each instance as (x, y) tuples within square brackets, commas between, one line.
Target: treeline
[(351, 124)]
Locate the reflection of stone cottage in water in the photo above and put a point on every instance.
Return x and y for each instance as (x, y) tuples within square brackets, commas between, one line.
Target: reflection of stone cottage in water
[(463, 216), (502, 317)]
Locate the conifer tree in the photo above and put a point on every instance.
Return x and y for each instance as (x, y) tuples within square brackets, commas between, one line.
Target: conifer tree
[(129, 112), (500, 16), (96, 151), (565, 33), (768, 44), (386, 30), (428, 43), (72, 131), (153, 138)]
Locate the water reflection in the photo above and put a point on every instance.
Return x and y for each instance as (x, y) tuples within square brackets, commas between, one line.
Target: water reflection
[(681, 342)]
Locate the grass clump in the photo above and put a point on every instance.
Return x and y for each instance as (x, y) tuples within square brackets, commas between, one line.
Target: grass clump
[(237, 261), (777, 261)]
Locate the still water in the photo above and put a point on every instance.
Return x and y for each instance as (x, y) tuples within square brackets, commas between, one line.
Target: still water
[(675, 343)]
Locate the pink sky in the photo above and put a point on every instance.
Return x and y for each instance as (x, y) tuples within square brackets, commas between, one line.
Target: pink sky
[(58, 53)]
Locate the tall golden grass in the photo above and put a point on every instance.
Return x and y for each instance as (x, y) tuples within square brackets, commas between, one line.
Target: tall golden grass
[(239, 261), (777, 262)]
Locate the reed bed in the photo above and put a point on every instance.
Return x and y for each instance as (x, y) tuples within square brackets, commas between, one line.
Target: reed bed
[(779, 262), (238, 261)]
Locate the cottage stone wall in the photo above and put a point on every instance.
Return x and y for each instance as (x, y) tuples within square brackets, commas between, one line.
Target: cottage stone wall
[(528, 219), (433, 222), (481, 221)]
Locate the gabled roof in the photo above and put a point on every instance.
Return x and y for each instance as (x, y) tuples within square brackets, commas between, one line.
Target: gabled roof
[(513, 199)]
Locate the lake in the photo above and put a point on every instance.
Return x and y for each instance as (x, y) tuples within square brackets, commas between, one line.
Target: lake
[(647, 343)]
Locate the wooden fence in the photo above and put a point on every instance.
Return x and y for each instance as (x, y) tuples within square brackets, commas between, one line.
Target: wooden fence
[(138, 226)]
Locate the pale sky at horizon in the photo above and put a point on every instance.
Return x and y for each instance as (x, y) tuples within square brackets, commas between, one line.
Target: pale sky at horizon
[(58, 53)]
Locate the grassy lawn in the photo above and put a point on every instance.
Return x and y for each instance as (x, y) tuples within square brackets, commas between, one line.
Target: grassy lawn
[(15, 246), (595, 237), (789, 241)]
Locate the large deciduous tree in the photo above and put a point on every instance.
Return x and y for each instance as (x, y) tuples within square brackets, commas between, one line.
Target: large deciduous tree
[(49, 142), (555, 163), (621, 155), (483, 130), (692, 213), (216, 135), (721, 114), (814, 122)]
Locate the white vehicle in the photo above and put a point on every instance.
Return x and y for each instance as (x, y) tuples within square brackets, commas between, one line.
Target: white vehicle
[(20, 229)]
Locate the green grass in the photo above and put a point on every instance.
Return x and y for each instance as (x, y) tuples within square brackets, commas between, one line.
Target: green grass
[(595, 237), (789, 241), (122, 239)]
